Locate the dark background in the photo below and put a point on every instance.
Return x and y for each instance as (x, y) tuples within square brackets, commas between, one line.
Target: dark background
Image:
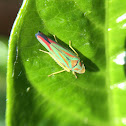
[(8, 12)]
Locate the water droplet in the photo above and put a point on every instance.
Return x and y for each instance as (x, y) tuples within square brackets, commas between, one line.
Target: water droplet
[(27, 59), (19, 74), (109, 29), (27, 90)]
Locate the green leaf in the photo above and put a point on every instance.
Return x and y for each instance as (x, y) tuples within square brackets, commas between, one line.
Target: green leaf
[(95, 98)]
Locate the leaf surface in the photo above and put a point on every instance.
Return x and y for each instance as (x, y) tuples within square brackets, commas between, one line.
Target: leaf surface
[(91, 100)]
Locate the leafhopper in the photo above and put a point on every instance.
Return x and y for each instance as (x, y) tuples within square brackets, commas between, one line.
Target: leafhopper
[(66, 58)]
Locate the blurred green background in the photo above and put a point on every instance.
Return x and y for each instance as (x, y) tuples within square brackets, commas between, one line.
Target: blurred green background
[(8, 13), (3, 67)]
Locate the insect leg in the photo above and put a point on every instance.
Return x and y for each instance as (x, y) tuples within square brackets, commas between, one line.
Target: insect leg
[(43, 51), (56, 61), (46, 52), (74, 74), (55, 38), (72, 48), (56, 72)]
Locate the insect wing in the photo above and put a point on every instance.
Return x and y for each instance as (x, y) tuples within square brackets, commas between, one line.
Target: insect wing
[(45, 41), (63, 55)]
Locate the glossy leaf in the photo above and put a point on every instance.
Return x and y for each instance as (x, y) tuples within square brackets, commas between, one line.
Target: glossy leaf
[(34, 99)]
